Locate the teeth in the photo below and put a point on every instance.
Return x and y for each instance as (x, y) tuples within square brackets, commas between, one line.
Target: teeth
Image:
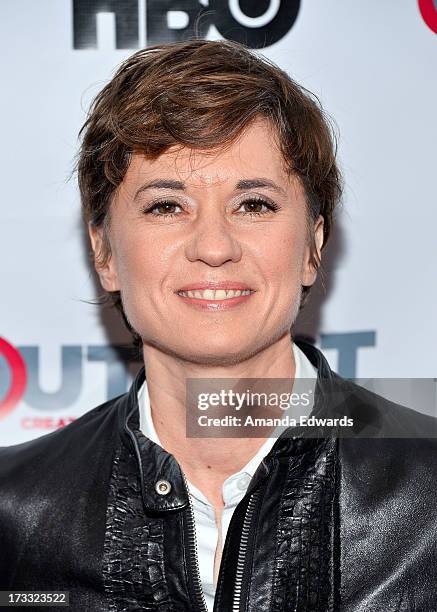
[(216, 295), (208, 294)]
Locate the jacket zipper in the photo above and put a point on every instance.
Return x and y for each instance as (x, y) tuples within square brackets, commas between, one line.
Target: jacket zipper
[(193, 557), (242, 552)]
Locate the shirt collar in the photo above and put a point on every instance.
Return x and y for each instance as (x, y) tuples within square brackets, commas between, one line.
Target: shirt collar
[(304, 369), (155, 463)]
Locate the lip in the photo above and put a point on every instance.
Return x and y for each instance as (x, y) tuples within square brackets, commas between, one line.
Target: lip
[(226, 284), (215, 305)]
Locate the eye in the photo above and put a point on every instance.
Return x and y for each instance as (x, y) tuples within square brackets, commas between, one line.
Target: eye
[(253, 207), (163, 209), (258, 206)]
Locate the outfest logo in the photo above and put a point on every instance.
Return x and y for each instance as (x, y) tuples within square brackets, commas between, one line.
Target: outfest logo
[(19, 381), (428, 10), (17, 385)]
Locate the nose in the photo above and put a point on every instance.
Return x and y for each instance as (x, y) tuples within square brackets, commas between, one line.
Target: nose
[(212, 239)]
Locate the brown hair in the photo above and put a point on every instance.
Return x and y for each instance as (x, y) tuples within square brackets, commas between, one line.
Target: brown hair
[(202, 94)]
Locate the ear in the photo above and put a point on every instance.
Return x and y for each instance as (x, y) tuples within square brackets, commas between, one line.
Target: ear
[(105, 266), (309, 273)]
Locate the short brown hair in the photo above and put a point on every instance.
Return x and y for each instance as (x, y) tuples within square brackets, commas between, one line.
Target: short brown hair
[(202, 94)]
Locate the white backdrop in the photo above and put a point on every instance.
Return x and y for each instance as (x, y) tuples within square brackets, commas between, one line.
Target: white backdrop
[(372, 63)]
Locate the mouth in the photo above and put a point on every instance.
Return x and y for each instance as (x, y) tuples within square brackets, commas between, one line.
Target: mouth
[(215, 296)]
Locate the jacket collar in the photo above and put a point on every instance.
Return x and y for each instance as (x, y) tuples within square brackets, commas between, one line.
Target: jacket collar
[(294, 442), (156, 464)]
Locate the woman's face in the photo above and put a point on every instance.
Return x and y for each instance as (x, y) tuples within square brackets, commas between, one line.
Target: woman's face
[(232, 220)]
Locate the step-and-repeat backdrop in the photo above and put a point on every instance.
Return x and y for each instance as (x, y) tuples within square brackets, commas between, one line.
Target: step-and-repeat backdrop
[(373, 64)]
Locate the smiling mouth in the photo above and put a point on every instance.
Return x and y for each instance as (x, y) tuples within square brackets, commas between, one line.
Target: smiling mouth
[(215, 295)]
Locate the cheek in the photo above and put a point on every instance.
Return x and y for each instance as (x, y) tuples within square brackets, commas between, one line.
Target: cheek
[(135, 270), (136, 257), (283, 256)]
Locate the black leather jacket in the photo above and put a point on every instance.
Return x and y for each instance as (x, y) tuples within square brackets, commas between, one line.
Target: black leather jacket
[(327, 524)]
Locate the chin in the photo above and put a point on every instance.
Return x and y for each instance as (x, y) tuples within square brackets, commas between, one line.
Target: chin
[(217, 358), (211, 352)]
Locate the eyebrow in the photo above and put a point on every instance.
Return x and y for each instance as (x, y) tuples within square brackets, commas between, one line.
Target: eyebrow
[(242, 185)]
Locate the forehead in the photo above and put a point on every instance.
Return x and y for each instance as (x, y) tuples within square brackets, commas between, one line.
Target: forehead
[(254, 153)]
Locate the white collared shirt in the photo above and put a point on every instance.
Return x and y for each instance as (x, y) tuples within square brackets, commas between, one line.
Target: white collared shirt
[(234, 487)]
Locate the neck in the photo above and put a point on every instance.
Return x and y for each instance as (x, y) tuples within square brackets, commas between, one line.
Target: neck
[(207, 462)]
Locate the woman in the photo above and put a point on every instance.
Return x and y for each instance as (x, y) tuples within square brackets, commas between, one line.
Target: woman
[(208, 182)]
